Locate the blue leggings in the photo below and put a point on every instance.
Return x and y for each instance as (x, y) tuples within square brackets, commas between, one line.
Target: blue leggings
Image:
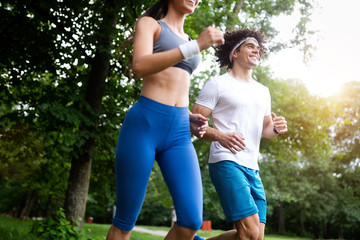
[(150, 131)]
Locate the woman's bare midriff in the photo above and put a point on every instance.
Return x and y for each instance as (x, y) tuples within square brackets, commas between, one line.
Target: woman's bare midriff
[(170, 87)]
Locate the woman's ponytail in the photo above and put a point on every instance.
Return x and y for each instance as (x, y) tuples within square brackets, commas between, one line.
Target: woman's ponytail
[(158, 10)]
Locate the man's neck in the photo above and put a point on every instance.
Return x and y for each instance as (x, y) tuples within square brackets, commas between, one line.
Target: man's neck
[(242, 74)]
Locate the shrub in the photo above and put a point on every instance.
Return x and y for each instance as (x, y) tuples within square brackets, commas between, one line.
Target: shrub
[(58, 228)]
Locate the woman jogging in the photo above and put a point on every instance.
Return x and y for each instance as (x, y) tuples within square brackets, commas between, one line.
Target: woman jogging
[(158, 126)]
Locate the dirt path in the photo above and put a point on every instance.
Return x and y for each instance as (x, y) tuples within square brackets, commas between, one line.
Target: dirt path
[(153, 232)]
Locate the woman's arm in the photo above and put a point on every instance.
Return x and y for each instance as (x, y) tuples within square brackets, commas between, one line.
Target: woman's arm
[(145, 62)]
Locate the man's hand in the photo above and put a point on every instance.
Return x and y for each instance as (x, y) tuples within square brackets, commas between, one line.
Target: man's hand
[(280, 124), (232, 141)]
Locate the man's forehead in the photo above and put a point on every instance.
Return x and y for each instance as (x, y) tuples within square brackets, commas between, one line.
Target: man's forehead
[(252, 42)]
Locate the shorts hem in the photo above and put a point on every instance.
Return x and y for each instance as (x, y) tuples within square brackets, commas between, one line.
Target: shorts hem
[(122, 227), (189, 227), (237, 218)]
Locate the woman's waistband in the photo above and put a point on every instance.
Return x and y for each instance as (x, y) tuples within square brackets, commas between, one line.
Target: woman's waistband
[(160, 107)]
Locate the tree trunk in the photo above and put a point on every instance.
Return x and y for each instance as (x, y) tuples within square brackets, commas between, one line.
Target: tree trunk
[(30, 200), (281, 211), (281, 217), (76, 195), (238, 6), (302, 218), (230, 24), (46, 211)]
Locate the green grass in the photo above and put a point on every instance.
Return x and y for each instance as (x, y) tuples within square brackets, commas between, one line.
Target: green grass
[(279, 237), (207, 234), (22, 227), (201, 233), (15, 229), (95, 231)]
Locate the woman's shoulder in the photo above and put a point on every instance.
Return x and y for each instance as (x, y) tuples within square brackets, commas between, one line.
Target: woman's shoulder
[(147, 22), (148, 25)]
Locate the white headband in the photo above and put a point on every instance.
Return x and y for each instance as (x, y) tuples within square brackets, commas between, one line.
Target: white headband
[(237, 45)]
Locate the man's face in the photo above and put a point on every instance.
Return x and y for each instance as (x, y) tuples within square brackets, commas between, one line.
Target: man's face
[(249, 53)]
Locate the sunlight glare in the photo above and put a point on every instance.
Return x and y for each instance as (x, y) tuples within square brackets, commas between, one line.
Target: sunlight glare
[(336, 58)]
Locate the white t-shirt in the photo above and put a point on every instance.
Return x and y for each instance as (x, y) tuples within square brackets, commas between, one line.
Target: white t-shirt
[(237, 106)]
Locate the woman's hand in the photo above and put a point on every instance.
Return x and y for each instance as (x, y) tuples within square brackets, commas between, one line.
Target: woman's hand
[(210, 36), (198, 124)]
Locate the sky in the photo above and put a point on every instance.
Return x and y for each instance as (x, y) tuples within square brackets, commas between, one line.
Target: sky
[(337, 56)]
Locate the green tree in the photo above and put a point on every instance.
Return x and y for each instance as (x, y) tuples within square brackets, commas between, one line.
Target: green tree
[(347, 144), (56, 75), (66, 76), (296, 167)]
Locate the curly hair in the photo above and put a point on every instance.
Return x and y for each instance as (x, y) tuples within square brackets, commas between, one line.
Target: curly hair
[(232, 38)]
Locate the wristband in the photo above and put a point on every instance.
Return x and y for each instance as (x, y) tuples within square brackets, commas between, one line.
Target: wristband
[(189, 49), (275, 131)]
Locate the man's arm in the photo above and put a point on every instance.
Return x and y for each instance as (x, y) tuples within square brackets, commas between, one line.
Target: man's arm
[(273, 126), (232, 141)]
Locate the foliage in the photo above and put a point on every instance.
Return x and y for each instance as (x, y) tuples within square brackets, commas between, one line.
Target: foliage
[(346, 144), (347, 131), (48, 116), (56, 228), (296, 168), (11, 196)]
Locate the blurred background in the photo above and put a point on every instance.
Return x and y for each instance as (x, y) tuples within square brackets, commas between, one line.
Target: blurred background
[(66, 84)]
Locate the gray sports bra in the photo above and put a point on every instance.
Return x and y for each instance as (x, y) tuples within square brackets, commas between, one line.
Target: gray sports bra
[(169, 40)]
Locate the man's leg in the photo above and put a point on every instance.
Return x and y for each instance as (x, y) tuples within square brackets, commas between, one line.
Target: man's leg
[(180, 233), (246, 228), (228, 235), (241, 195), (262, 231)]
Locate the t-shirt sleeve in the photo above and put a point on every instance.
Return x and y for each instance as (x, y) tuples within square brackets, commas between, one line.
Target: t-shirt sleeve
[(268, 104), (208, 95)]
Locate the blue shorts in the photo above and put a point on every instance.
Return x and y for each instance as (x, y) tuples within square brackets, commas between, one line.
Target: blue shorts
[(240, 190), (150, 131)]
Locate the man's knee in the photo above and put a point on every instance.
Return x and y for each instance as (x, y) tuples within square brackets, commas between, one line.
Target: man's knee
[(248, 228), (251, 233)]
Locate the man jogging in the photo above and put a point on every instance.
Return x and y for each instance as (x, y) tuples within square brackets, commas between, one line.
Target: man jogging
[(240, 111)]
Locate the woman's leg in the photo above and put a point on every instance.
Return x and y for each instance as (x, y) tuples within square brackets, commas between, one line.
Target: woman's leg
[(117, 234), (134, 160), (180, 169)]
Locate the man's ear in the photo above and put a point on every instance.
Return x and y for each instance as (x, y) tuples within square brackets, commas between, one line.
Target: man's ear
[(235, 54)]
